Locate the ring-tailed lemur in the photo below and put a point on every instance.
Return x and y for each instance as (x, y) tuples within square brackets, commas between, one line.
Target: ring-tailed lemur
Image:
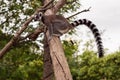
[(58, 25)]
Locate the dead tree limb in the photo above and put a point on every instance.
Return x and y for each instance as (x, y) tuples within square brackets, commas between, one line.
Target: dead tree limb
[(34, 35), (85, 10), (17, 35)]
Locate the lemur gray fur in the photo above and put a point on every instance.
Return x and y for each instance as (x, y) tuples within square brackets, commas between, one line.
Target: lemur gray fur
[(58, 25)]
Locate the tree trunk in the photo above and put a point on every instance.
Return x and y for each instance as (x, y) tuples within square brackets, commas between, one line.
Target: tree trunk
[(48, 68), (59, 62), (60, 65)]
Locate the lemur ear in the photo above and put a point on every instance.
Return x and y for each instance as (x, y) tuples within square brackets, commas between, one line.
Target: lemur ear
[(38, 16)]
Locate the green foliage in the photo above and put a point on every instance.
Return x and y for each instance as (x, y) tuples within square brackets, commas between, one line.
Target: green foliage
[(72, 5), (15, 12), (21, 62), (4, 38), (70, 47), (90, 67), (24, 61)]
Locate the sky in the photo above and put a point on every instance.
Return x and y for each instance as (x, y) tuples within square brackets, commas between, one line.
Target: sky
[(106, 15)]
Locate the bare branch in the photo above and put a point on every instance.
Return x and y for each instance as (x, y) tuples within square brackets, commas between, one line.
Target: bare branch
[(11, 42), (17, 35), (35, 34), (85, 10)]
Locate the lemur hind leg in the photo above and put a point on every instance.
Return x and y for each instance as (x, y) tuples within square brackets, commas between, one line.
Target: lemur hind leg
[(50, 28)]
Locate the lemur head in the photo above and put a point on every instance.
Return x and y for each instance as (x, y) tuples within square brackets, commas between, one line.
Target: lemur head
[(38, 16)]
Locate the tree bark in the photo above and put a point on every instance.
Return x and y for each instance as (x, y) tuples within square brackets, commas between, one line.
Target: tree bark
[(59, 62), (60, 65), (48, 68)]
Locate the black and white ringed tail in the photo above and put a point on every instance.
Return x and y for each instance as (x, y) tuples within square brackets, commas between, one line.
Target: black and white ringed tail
[(95, 32)]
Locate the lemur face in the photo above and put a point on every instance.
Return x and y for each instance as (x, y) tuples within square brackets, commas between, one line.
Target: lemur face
[(38, 16)]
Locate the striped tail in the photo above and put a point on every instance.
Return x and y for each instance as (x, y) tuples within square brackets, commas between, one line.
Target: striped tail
[(95, 32)]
